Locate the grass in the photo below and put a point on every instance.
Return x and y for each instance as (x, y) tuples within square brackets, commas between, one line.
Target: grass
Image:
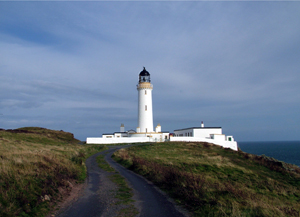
[(212, 181), (103, 164), (124, 193), (128, 211), (35, 163)]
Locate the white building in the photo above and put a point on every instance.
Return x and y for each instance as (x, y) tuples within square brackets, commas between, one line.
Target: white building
[(144, 131), (205, 134)]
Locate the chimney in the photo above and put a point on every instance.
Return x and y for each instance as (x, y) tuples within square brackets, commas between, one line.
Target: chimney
[(122, 128)]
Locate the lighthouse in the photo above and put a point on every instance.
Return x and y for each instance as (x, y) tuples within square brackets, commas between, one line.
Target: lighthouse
[(145, 133), (145, 113)]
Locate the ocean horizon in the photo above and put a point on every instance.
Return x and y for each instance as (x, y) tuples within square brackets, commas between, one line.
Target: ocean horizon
[(286, 151)]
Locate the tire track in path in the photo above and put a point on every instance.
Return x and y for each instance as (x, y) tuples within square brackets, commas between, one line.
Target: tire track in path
[(98, 197)]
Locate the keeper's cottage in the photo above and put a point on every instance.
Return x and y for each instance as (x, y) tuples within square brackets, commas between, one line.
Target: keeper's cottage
[(145, 132)]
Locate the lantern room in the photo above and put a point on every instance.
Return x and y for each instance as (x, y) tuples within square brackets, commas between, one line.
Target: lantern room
[(144, 76)]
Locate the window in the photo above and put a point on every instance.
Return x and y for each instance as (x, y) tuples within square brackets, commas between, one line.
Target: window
[(145, 92), (145, 108)]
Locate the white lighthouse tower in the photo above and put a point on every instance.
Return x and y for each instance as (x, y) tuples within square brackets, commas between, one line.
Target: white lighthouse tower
[(145, 113)]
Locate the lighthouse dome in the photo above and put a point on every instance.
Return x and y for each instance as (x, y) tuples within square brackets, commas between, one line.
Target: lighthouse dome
[(144, 72), (144, 76)]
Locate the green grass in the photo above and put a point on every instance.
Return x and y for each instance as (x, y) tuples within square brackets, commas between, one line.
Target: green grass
[(35, 162), (128, 211), (124, 193), (103, 164), (212, 181)]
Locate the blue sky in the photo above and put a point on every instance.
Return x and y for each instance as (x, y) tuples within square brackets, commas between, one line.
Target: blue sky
[(74, 66)]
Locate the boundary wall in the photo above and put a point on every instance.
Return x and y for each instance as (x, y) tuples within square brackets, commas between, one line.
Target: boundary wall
[(97, 140), (226, 144)]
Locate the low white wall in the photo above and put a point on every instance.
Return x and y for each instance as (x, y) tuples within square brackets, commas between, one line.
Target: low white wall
[(225, 144), (219, 137), (97, 140)]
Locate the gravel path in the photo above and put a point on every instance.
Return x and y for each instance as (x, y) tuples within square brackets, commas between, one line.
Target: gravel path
[(99, 196)]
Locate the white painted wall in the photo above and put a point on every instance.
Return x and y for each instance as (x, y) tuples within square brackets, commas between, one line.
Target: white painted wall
[(96, 140), (220, 137), (158, 129), (226, 144), (185, 132), (206, 132), (118, 135), (133, 138), (154, 136), (145, 111), (229, 138), (198, 132)]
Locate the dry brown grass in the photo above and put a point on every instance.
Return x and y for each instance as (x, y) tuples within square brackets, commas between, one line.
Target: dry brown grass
[(212, 181), (35, 162)]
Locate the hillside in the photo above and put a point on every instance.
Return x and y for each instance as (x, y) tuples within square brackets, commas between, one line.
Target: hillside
[(37, 166), (212, 181)]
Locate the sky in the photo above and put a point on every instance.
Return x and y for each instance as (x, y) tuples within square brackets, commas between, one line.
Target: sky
[(74, 66)]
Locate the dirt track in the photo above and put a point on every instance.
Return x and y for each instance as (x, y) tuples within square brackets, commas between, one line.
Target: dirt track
[(98, 196)]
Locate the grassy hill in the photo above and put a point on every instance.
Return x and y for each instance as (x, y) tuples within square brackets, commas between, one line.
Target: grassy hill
[(36, 165), (212, 181)]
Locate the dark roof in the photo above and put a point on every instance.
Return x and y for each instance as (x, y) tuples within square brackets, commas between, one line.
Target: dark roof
[(112, 133), (144, 72), (199, 128)]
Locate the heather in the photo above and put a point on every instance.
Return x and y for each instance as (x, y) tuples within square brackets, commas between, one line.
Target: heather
[(36, 166), (209, 180)]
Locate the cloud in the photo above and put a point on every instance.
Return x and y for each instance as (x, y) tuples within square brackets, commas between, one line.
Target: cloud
[(74, 65)]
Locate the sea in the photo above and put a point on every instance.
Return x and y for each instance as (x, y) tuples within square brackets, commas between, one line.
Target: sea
[(287, 151)]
